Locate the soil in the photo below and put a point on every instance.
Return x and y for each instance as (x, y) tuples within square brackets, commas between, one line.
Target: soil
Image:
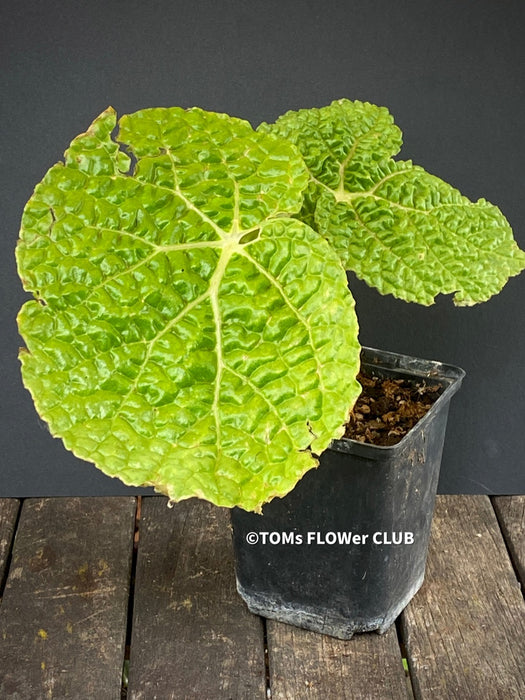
[(388, 408)]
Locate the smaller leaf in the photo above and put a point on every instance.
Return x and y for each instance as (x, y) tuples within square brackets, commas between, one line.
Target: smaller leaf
[(400, 229)]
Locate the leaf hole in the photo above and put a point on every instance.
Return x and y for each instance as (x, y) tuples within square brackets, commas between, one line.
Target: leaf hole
[(249, 237)]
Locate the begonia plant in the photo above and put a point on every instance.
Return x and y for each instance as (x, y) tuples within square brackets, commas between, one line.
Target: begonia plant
[(192, 327)]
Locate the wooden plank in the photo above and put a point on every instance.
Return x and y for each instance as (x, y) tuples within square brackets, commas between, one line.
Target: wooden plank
[(465, 630), (192, 635), (64, 611), (308, 665), (511, 514), (8, 515)]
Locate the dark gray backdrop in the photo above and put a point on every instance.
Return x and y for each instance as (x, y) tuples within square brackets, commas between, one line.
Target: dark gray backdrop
[(452, 73)]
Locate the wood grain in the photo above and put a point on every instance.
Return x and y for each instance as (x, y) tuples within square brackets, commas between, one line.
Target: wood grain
[(511, 514), (63, 614), (307, 665), (192, 635), (465, 630)]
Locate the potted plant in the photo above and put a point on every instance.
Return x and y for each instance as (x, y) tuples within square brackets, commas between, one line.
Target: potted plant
[(192, 327)]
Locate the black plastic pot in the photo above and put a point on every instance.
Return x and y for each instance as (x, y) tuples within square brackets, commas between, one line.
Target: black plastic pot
[(297, 562)]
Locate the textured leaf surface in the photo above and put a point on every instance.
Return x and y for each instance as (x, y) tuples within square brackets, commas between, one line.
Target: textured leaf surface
[(400, 229), (186, 332)]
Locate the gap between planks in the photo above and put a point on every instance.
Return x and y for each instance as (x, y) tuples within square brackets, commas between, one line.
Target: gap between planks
[(510, 511), (9, 514)]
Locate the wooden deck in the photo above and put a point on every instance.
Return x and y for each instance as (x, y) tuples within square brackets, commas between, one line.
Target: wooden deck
[(124, 598)]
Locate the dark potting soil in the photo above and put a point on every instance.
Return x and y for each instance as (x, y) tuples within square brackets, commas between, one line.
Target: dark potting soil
[(388, 408)]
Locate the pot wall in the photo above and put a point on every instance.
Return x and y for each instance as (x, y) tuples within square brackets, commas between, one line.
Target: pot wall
[(345, 551)]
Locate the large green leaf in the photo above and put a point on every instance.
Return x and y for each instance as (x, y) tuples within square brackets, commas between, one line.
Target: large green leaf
[(186, 332), (400, 229)]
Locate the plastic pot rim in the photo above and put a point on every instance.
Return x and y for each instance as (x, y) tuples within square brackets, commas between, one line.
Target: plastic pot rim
[(448, 375)]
